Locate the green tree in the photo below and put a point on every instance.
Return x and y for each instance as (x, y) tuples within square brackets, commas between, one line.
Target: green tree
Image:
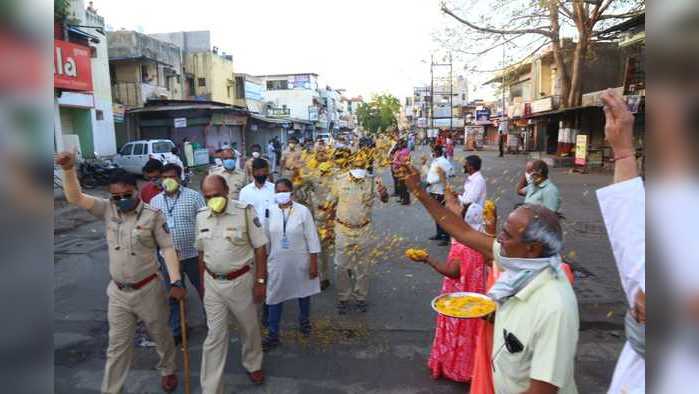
[(379, 114)]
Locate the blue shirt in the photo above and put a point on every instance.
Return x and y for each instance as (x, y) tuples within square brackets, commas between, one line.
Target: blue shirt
[(180, 211)]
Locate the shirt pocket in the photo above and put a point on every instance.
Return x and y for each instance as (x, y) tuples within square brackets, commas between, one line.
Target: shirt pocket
[(236, 236), (144, 237)]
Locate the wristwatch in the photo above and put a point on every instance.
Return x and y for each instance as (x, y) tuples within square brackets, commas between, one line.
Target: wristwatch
[(261, 281), (178, 283)]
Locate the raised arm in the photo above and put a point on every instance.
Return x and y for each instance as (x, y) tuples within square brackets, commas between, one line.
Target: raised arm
[(618, 130), (71, 185), (454, 225)]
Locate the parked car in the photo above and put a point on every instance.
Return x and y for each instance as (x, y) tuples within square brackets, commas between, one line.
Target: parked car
[(134, 155)]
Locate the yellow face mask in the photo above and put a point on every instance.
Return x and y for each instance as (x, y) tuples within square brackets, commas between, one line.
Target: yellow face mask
[(217, 204), (170, 185)]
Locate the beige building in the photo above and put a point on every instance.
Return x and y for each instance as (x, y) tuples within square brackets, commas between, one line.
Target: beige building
[(210, 76)]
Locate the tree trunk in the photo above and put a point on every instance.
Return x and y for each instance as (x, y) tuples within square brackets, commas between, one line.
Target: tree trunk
[(558, 55), (575, 94)]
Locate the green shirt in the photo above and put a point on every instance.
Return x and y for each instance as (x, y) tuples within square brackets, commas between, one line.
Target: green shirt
[(545, 193), (543, 316)]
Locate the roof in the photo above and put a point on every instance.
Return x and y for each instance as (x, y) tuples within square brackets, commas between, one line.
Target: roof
[(283, 75), (278, 120), (179, 105), (637, 20)]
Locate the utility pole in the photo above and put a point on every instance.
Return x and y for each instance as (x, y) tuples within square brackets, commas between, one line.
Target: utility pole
[(431, 110), (451, 95)]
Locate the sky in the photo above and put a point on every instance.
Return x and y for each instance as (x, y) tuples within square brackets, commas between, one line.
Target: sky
[(363, 46)]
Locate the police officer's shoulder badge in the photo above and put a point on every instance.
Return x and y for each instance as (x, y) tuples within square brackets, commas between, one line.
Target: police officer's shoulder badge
[(256, 220), (166, 228)]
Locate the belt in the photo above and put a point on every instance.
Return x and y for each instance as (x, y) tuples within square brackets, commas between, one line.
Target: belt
[(229, 276), (353, 226), (137, 285)]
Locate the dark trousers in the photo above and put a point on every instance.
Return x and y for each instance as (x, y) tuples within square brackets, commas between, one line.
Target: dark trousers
[(403, 192), (188, 268), (501, 144), (274, 316), (441, 234)]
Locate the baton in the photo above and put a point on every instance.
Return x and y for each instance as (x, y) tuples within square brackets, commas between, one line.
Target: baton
[(185, 349)]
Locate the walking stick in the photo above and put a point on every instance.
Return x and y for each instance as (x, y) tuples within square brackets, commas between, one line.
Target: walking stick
[(183, 325)]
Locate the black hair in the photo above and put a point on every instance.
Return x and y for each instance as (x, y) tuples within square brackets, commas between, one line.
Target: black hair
[(256, 146), (293, 139), (259, 164), (120, 176), (474, 161), (172, 167), (540, 167), (153, 165), (286, 182), (438, 150)]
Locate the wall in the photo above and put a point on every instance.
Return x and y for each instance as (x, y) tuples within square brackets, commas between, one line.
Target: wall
[(297, 100), (189, 41), (217, 71), (125, 44)]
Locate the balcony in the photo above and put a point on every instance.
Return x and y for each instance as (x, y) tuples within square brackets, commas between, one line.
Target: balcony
[(134, 94)]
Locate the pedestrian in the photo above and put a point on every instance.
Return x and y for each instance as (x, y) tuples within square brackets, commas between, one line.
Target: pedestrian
[(260, 192), (180, 204), (272, 156), (400, 157), (536, 323), (450, 147), (322, 185), (475, 188), (188, 149), (292, 263), (351, 200), (502, 135), (453, 348), (134, 231), (278, 149), (623, 210), (435, 179), (291, 159), (256, 153), (151, 173), (231, 243), (541, 190), (526, 178), (235, 178)]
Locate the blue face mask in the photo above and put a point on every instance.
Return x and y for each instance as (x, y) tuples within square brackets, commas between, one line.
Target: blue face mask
[(229, 164)]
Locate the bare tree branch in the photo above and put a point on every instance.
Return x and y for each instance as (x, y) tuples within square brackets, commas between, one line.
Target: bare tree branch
[(621, 16), (539, 30), (518, 63)]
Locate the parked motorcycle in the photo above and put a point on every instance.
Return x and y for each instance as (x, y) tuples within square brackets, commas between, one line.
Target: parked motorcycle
[(95, 172)]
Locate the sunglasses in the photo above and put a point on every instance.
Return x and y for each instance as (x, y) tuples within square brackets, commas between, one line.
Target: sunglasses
[(122, 197), (512, 344)]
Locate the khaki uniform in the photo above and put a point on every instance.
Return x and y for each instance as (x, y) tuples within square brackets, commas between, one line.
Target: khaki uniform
[(228, 241), (235, 180), (132, 239), (324, 223), (354, 200), (291, 160)]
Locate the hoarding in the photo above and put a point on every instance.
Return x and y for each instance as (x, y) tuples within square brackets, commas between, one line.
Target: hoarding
[(72, 68), (581, 150)]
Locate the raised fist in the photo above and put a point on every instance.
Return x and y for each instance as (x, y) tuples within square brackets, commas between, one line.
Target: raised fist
[(66, 160)]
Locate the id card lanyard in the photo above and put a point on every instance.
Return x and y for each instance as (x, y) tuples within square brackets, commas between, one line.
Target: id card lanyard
[(285, 220), (170, 218)]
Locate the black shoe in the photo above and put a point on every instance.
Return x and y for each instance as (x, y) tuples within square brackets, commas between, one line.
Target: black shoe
[(362, 306), (443, 242), (270, 343), (435, 238), (342, 307), (324, 284), (305, 328)]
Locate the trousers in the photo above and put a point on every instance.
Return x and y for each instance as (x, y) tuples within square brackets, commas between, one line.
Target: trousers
[(125, 308), (188, 268), (324, 258), (441, 234), (352, 266), (274, 315), (221, 299)]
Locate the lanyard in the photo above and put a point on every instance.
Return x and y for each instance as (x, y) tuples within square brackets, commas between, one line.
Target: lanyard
[(167, 206), (285, 219)]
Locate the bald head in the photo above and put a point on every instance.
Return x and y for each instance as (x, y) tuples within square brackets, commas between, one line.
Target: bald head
[(531, 231), (214, 186)]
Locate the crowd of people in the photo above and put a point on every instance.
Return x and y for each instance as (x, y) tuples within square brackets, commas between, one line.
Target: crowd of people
[(250, 238)]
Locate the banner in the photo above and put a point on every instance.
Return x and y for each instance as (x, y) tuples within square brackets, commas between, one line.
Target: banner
[(581, 150), (72, 67)]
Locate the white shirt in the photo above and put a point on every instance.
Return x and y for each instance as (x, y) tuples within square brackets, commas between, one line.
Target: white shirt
[(474, 189), (434, 183), (623, 207), (260, 198)]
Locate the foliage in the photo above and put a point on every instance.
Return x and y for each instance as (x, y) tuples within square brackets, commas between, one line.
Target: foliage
[(380, 114)]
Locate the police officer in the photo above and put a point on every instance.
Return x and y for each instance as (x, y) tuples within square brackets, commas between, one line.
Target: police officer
[(229, 236), (352, 196), (291, 159), (322, 185), (234, 177), (134, 231)]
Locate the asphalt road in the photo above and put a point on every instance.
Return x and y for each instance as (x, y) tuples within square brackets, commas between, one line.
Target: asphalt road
[(382, 351)]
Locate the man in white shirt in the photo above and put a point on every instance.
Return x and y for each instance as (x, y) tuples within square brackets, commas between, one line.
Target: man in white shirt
[(436, 184), (259, 193), (474, 186)]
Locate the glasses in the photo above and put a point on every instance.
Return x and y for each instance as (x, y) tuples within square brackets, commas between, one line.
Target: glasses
[(122, 197)]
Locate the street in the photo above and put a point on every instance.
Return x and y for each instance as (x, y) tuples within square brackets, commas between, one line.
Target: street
[(384, 350)]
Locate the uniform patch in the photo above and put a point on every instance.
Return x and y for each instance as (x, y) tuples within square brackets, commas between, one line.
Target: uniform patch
[(166, 228), (257, 222)]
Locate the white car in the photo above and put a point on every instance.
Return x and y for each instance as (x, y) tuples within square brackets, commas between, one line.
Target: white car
[(134, 155)]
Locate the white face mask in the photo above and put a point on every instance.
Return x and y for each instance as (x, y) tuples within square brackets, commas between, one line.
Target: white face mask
[(282, 198), (519, 271), (358, 173), (256, 155), (528, 176)]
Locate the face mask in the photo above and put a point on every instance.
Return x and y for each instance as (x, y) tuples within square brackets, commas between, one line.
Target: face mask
[(282, 198), (358, 173), (126, 204), (217, 204), (170, 185), (158, 182), (256, 154), (260, 178), (292, 146), (519, 271), (229, 164), (528, 176)]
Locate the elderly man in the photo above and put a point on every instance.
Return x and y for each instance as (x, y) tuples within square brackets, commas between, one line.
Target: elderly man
[(536, 325), (541, 190), (526, 178)]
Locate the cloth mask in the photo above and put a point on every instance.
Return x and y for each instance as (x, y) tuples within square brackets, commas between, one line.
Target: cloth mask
[(519, 272), (230, 164), (127, 204), (282, 198), (292, 146), (170, 185), (635, 334), (256, 155), (358, 173), (217, 204)]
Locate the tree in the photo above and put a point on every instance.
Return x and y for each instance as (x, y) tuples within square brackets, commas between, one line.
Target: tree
[(530, 25), (379, 114)]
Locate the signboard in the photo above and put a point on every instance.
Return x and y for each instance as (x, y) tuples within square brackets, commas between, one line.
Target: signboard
[(201, 157), (218, 118), (299, 82), (253, 91), (580, 150), (312, 113), (542, 105), (483, 115), (180, 122), (72, 68)]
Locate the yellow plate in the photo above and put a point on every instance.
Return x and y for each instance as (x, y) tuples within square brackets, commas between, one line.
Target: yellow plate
[(463, 305)]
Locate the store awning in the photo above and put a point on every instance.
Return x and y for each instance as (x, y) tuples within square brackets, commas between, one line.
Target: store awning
[(559, 111)]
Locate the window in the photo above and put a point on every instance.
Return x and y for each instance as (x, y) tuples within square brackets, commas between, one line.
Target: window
[(126, 150), (99, 115), (281, 84), (144, 73), (202, 81), (190, 86), (228, 91), (239, 87), (163, 147), (139, 149)]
